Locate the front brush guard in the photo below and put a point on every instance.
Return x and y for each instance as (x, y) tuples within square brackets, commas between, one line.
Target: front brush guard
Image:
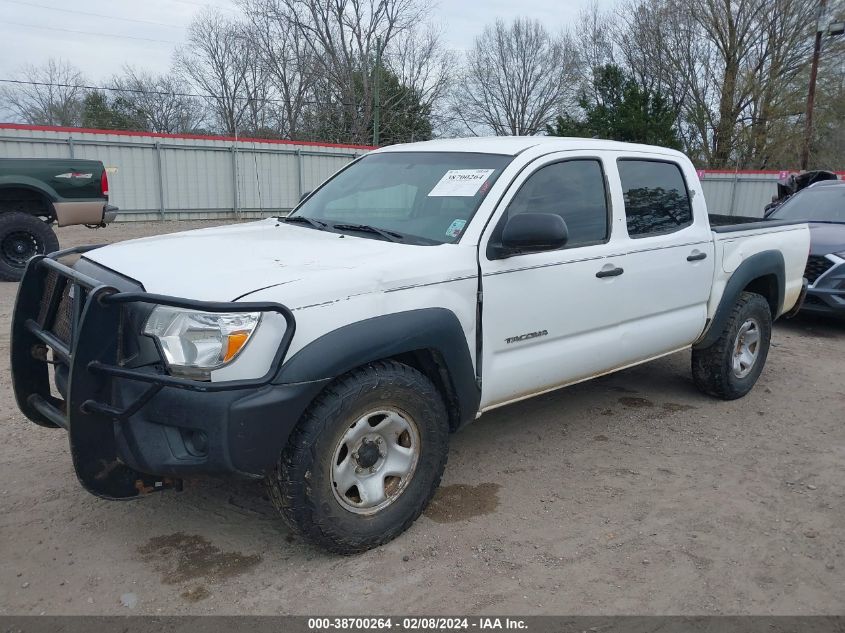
[(92, 356)]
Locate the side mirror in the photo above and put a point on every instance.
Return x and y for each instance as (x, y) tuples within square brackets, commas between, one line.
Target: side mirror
[(531, 233), (304, 195)]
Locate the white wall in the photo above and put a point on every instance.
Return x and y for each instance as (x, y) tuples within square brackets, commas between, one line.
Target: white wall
[(180, 177)]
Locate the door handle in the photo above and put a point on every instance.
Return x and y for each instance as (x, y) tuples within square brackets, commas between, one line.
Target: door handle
[(696, 257), (610, 272)]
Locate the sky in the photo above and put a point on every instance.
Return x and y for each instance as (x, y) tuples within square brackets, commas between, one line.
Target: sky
[(145, 34)]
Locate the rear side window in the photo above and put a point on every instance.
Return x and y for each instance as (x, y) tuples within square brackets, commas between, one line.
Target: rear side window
[(572, 189), (656, 197)]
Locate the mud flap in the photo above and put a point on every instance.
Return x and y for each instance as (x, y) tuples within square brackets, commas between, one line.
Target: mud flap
[(793, 312), (92, 434)]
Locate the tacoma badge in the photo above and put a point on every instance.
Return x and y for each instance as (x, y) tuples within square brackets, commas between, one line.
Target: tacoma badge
[(525, 337)]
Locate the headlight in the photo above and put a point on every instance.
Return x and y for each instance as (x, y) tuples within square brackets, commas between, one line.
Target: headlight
[(194, 342)]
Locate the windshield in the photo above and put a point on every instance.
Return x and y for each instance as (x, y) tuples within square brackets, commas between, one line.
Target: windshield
[(825, 203), (419, 197)]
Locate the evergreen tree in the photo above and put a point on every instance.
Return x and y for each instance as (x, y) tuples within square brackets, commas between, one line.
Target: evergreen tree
[(100, 113), (617, 108)]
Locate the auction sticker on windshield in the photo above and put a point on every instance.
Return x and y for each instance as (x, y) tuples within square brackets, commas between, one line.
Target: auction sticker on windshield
[(460, 182), (455, 228)]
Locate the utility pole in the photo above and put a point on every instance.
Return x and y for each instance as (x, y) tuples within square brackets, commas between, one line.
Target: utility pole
[(811, 93), (376, 93)]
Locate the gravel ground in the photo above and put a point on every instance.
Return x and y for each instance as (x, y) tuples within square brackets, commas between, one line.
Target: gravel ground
[(630, 494)]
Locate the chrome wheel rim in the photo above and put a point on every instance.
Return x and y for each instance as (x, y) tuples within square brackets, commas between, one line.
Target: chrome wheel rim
[(746, 348), (374, 460)]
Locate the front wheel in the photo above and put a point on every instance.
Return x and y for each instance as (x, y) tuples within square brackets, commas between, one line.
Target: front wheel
[(365, 460), (22, 237), (730, 367)]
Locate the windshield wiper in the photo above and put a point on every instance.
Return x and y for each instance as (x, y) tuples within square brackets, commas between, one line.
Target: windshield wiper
[(391, 236), (317, 224)]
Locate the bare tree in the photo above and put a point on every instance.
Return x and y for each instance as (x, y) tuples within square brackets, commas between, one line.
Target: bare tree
[(517, 77), (160, 101), (659, 46), (828, 147), (732, 27), (733, 69), (769, 125), (592, 42), (344, 37), (288, 59), (423, 66), (221, 60), (48, 95)]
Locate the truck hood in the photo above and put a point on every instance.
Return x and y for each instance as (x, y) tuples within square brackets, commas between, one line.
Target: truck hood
[(231, 262), (826, 238)]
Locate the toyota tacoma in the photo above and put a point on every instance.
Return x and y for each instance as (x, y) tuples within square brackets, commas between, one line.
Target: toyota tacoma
[(332, 352)]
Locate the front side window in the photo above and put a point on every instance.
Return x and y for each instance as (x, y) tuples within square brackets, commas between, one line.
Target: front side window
[(421, 197), (572, 189), (656, 197)]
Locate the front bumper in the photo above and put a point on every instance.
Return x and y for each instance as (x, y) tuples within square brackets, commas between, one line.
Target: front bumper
[(109, 213), (133, 427), (88, 212), (825, 301), (827, 293)]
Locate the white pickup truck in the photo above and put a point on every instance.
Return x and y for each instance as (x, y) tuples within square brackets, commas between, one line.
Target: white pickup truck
[(333, 351)]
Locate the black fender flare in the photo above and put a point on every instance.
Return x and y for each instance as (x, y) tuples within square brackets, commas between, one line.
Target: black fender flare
[(30, 184), (759, 265), (342, 350)]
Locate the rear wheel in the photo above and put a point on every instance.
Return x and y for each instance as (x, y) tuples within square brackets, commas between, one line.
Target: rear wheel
[(730, 367), (365, 460), (22, 237)]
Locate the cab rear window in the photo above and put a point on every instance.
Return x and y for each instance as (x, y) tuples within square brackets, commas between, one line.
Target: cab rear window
[(656, 197)]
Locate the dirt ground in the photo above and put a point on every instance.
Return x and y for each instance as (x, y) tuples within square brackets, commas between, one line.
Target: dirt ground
[(630, 494)]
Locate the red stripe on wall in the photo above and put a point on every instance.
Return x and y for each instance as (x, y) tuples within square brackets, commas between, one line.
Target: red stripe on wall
[(240, 139)]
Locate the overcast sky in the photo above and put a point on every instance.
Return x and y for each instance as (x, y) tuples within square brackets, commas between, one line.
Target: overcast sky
[(32, 31)]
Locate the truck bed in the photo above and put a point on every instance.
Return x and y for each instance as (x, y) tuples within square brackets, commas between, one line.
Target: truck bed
[(732, 223)]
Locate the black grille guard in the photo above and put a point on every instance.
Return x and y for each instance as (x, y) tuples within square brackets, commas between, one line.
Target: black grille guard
[(92, 358)]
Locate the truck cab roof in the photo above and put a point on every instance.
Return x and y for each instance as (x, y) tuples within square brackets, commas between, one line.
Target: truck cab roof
[(514, 145)]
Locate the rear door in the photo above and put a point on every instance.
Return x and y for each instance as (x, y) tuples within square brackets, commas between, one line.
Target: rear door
[(667, 256)]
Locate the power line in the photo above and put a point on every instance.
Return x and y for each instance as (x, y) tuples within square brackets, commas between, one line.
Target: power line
[(162, 93), (392, 107), (96, 15), (206, 5), (55, 28)]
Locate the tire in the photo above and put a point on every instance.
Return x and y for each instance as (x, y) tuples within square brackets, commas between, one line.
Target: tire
[(335, 445), (22, 236), (730, 367)]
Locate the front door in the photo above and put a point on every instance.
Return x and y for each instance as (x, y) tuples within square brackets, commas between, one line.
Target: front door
[(547, 318)]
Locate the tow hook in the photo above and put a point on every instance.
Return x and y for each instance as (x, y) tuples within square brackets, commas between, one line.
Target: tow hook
[(148, 485)]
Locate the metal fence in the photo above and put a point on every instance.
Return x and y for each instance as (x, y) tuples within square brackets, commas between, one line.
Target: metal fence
[(741, 192), (156, 176)]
